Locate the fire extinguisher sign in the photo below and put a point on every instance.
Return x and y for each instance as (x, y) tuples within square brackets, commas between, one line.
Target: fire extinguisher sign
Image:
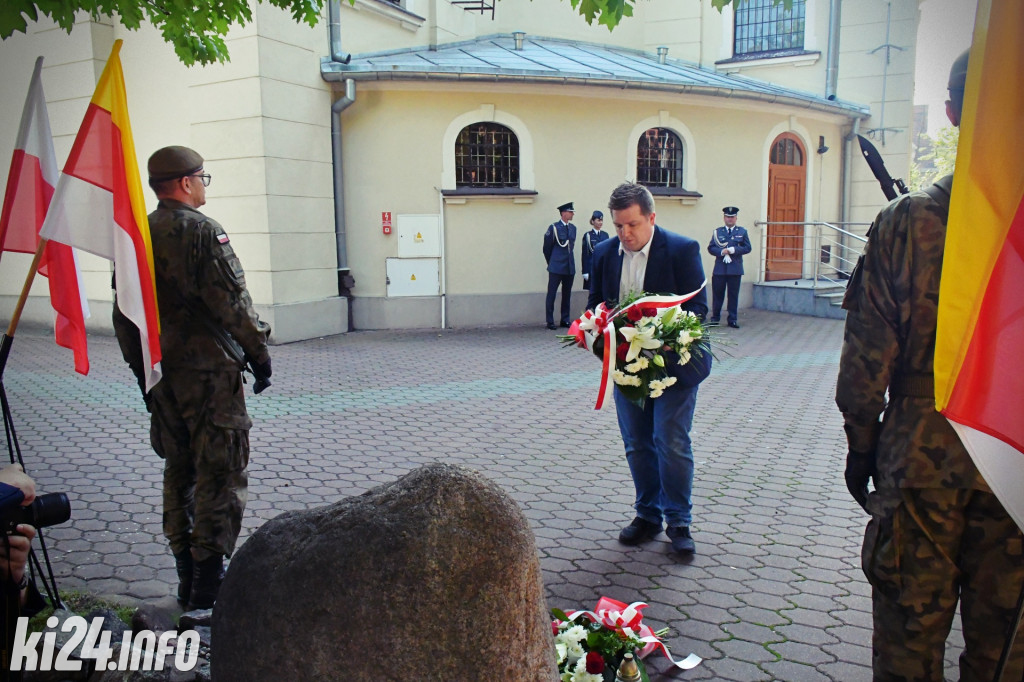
[(385, 221)]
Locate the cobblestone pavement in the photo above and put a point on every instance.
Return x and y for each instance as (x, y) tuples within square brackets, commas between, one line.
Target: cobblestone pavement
[(775, 591)]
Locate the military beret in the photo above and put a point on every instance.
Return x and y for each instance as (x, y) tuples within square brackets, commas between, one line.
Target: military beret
[(173, 162), (958, 72), (730, 210), (597, 216), (566, 207)]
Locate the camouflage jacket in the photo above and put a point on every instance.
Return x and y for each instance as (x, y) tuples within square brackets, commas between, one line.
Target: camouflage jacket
[(198, 273), (889, 344)]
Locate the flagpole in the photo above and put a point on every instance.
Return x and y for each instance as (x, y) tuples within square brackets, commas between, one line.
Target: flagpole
[(8, 337)]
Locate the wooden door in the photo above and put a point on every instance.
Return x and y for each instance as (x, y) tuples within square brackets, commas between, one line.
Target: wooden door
[(784, 257)]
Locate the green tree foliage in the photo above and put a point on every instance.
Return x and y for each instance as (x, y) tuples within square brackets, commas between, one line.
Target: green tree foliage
[(938, 161), (197, 30)]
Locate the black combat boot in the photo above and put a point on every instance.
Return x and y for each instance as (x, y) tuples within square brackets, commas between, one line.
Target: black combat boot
[(183, 563), (206, 580)]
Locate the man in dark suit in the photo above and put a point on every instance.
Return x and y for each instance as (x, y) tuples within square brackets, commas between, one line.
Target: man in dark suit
[(559, 241), (645, 258), (728, 245), (590, 241)]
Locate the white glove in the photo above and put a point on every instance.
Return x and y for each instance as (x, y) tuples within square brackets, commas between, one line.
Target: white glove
[(726, 259), (586, 276), (732, 249)]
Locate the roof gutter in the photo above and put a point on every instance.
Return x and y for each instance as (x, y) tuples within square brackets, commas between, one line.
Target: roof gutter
[(345, 280), (831, 107)]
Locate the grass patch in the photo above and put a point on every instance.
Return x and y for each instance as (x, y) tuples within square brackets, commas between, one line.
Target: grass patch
[(81, 603)]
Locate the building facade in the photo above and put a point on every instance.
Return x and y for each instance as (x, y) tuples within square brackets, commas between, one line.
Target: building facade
[(397, 165)]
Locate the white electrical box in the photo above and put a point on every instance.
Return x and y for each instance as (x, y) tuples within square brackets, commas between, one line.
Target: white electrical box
[(413, 276), (419, 236)]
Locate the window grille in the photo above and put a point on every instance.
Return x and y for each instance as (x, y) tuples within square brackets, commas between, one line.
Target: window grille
[(486, 155), (763, 26), (787, 152), (659, 159)]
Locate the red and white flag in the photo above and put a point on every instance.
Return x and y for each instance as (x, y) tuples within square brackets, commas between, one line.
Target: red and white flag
[(30, 186), (98, 207)]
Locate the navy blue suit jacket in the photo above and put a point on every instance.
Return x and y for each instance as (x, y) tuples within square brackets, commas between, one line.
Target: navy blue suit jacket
[(673, 267)]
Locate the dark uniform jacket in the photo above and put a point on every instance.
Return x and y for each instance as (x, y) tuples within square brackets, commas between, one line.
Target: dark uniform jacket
[(889, 344), (591, 238), (559, 258), (721, 238), (673, 267)]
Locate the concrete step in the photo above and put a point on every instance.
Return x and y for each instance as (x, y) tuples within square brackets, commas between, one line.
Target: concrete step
[(801, 297)]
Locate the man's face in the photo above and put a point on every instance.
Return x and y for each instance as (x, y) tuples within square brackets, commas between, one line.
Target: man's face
[(633, 227), (567, 216), (730, 220), (195, 188)]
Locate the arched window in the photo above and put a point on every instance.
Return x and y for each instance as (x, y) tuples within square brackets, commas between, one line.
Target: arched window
[(659, 159), (786, 152), (486, 155)]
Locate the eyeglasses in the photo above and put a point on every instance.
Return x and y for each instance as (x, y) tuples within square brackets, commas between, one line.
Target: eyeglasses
[(204, 177)]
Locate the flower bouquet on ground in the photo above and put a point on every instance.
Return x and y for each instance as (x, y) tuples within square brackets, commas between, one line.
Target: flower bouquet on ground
[(647, 343), (590, 644)]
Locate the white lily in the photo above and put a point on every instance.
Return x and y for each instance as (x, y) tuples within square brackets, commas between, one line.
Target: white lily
[(638, 339)]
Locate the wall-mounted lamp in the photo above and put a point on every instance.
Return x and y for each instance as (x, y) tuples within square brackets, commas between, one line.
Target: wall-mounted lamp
[(518, 37), (821, 144)]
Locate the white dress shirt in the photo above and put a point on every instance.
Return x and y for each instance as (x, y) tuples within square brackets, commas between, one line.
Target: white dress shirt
[(634, 269)]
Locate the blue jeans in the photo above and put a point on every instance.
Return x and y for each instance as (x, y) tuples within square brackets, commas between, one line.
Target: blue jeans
[(657, 440)]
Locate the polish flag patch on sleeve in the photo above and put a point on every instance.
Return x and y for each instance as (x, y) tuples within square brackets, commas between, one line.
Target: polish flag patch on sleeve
[(222, 238)]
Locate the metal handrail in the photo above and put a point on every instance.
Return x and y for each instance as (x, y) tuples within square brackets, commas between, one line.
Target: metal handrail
[(818, 260)]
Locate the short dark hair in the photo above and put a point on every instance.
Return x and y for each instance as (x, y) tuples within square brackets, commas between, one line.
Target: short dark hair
[(629, 194), (162, 187)]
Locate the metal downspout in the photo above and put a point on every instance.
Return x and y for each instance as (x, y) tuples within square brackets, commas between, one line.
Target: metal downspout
[(345, 280), (832, 68), (848, 156)]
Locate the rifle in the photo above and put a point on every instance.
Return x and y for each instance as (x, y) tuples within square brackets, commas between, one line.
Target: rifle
[(874, 159)]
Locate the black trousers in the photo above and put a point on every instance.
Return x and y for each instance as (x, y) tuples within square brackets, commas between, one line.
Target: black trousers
[(549, 303), (719, 284)]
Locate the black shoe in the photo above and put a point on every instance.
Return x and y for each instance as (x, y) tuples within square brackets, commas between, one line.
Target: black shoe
[(639, 531), (681, 540), (565, 324), (734, 325), (713, 322), (551, 325), (184, 567), (206, 580)]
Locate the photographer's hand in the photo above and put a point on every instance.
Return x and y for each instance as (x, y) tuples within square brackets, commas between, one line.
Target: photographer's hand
[(14, 556), (14, 475)]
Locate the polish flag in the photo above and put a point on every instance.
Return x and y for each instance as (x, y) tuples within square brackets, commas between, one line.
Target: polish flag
[(98, 207), (30, 186), (979, 376)]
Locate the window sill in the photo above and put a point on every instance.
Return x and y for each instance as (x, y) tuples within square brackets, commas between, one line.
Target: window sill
[(791, 57), (464, 195), (389, 10), (685, 196)]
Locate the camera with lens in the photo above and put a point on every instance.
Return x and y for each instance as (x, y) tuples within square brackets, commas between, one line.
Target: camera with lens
[(46, 510)]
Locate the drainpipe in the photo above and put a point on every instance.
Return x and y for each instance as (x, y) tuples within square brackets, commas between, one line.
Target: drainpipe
[(844, 208), (345, 279), (832, 68)]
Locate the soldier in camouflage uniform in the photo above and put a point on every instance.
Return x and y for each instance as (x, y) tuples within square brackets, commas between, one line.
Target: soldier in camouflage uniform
[(937, 534), (199, 423)]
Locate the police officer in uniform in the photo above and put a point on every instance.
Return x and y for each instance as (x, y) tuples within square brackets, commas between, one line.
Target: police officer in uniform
[(199, 423), (559, 242), (591, 239), (728, 245), (937, 534)]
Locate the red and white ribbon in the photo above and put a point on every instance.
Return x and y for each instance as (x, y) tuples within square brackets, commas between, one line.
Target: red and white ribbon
[(628, 619), (600, 322)]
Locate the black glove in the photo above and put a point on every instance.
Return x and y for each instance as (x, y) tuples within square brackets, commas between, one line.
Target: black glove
[(264, 370), (860, 467)]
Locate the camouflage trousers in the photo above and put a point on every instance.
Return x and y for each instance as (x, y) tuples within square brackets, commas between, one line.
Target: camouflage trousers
[(925, 549), (201, 429)]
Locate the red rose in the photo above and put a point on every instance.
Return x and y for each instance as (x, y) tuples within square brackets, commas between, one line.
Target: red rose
[(595, 663), (621, 351), (633, 314), (650, 312)]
